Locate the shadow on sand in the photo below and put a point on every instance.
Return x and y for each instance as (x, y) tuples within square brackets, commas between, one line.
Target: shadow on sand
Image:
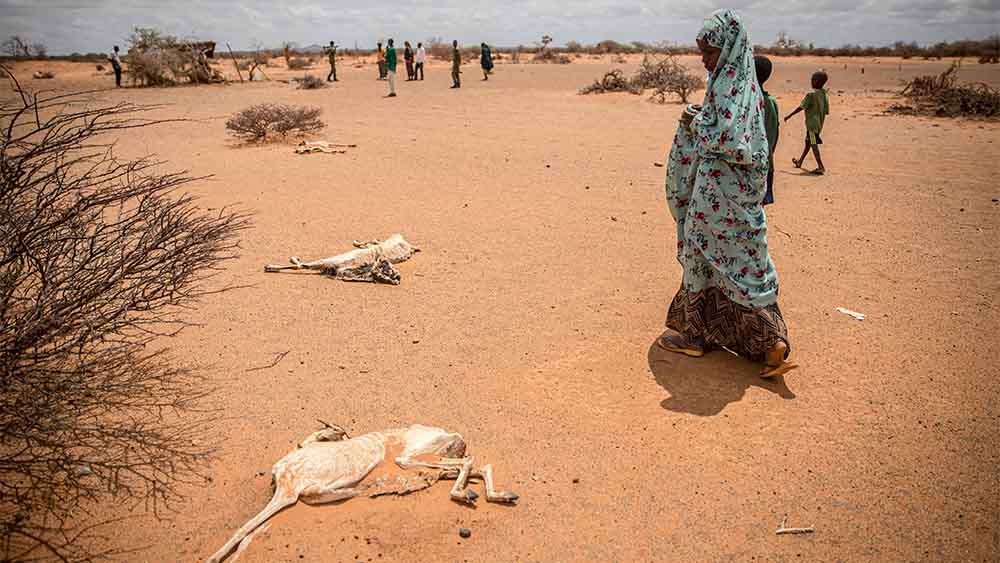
[(704, 386)]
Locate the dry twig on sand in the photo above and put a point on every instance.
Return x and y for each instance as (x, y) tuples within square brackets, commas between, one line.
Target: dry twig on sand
[(782, 530), (277, 359)]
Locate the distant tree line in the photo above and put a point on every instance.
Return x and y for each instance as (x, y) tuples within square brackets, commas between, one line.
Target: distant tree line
[(985, 50)]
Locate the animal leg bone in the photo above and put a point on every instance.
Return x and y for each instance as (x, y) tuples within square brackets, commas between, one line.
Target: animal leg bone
[(493, 495), (460, 491), (278, 502)]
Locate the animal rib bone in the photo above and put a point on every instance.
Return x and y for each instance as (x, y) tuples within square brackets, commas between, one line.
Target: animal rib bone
[(371, 261), (327, 467)]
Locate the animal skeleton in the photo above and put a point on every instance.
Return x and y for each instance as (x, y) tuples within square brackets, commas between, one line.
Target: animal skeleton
[(371, 261), (328, 466), (306, 147)]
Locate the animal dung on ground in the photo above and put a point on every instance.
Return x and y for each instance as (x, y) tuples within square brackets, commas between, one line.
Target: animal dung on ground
[(308, 147), (328, 466), (370, 261)]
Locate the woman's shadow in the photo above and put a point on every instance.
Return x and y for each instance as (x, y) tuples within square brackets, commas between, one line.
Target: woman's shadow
[(704, 386)]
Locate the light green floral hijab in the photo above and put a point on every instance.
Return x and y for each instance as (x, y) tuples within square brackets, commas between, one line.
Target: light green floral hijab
[(730, 125)]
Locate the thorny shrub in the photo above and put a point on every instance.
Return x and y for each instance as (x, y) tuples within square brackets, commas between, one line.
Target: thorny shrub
[(255, 123), (98, 258)]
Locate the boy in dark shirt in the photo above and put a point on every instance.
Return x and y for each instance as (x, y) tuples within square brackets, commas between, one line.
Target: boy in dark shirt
[(771, 121)]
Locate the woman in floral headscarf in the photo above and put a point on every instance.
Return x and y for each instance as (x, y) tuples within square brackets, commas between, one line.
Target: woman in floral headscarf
[(715, 185)]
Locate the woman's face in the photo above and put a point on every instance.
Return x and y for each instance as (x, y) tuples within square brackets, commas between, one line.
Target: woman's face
[(709, 55)]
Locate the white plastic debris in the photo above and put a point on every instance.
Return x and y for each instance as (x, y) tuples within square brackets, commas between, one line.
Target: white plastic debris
[(855, 314)]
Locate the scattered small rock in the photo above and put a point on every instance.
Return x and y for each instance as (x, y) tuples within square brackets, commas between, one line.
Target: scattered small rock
[(576, 480), (613, 218), (464, 532)]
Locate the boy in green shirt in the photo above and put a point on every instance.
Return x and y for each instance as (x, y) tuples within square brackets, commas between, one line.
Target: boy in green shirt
[(817, 106), (772, 122), (390, 67)]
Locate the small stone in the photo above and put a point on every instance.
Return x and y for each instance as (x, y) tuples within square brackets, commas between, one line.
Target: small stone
[(576, 480), (464, 532), (416, 342), (613, 218)]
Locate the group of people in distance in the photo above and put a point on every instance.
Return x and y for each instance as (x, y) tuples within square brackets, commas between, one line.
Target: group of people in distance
[(414, 60), (719, 177)]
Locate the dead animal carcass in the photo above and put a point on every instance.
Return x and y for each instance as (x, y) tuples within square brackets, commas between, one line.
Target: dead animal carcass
[(370, 261), (328, 466)]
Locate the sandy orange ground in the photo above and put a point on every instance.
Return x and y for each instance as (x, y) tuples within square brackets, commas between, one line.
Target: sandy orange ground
[(528, 324)]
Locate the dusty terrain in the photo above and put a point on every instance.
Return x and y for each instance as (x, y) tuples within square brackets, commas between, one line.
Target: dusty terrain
[(528, 325)]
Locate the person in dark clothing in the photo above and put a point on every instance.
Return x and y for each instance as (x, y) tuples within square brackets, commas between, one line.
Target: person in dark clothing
[(408, 59), (486, 61), (456, 65), (331, 52)]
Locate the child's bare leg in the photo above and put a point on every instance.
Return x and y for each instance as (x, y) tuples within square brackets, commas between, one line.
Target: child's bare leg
[(819, 159), (805, 152)]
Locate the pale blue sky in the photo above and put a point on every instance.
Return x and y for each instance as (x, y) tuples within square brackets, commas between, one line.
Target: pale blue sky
[(94, 25)]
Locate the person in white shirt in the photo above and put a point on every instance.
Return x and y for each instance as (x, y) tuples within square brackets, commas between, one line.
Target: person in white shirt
[(116, 64), (421, 57)]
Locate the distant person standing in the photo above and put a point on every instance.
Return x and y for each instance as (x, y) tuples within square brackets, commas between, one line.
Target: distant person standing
[(456, 65), (421, 57), (486, 61), (331, 52), (381, 62), (390, 68), (408, 58), (116, 64)]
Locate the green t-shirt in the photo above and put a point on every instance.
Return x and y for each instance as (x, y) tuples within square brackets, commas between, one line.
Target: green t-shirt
[(817, 106), (390, 59), (772, 120)]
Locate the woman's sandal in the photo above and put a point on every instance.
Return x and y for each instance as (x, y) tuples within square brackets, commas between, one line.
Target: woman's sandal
[(775, 363), (675, 342), (797, 163)]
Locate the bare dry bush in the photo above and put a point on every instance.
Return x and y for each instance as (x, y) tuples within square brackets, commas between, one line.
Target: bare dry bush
[(613, 81), (943, 96), (665, 76), (550, 56), (255, 123), (438, 48), (310, 82), (298, 63), (98, 258), (155, 59)]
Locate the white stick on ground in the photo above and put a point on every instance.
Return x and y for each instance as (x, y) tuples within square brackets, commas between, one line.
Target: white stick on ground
[(783, 530)]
